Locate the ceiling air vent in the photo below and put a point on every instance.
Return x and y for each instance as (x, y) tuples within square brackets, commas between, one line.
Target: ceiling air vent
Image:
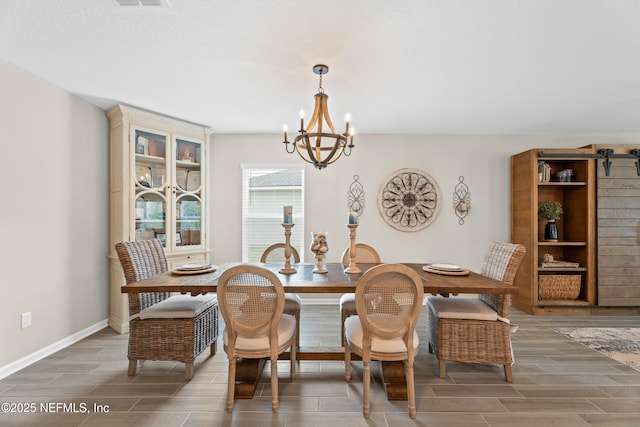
[(154, 3)]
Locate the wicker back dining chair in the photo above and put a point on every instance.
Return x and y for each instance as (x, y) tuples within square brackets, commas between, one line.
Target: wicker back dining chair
[(275, 253), (477, 329), (364, 254), (161, 326), (388, 300), (252, 302), (292, 302)]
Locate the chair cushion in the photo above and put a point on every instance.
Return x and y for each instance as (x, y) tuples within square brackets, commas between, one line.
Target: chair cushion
[(354, 334), (470, 308), (348, 302), (179, 307), (286, 330)]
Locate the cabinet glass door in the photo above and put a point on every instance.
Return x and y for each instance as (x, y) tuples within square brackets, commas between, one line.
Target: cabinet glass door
[(150, 185), (188, 192)]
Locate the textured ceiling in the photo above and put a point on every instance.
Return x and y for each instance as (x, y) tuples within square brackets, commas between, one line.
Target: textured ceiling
[(405, 66)]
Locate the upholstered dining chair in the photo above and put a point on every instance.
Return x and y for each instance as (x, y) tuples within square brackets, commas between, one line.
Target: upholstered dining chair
[(161, 326), (477, 329), (252, 302), (292, 302), (388, 301), (364, 254)]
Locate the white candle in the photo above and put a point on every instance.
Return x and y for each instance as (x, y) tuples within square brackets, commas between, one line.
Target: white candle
[(353, 218), (288, 214)]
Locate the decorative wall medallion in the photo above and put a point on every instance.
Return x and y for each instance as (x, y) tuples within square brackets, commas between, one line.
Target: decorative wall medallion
[(409, 200)]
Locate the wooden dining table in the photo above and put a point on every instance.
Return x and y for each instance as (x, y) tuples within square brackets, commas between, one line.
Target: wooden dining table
[(335, 281)]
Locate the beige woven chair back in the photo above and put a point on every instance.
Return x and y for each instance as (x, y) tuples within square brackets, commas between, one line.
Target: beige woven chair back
[(365, 254), (388, 300), (275, 253), (141, 260), (251, 300), (501, 263)]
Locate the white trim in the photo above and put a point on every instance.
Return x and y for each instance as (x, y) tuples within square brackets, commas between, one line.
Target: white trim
[(29, 359), (272, 165), (319, 301), (306, 300)]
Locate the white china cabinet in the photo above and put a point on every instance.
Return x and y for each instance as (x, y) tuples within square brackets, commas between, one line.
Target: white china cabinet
[(158, 190)]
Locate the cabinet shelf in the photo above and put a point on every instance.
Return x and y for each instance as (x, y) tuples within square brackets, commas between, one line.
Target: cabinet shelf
[(561, 269), (187, 164), (563, 302), (562, 184), (145, 158), (562, 243)]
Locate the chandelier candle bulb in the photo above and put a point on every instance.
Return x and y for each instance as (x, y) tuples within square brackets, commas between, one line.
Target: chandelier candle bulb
[(288, 214), (301, 120), (284, 129)]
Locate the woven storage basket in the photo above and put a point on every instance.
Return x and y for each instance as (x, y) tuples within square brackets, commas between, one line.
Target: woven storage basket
[(559, 286)]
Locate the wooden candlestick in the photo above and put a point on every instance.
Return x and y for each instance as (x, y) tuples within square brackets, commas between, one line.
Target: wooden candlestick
[(287, 269), (352, 268)]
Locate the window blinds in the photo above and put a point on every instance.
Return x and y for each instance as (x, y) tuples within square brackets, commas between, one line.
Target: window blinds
[(265, 191)]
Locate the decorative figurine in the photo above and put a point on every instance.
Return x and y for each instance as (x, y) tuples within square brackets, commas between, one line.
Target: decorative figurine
[(319, 247)]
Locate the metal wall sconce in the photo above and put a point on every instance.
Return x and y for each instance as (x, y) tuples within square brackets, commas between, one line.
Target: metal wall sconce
[(605, 153), (355, 196), (461, 200)]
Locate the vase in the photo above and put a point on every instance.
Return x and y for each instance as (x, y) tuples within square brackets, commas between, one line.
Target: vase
[(319, 247), (551, 231)]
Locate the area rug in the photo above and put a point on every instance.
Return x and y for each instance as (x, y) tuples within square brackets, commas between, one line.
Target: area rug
[(621, 344)]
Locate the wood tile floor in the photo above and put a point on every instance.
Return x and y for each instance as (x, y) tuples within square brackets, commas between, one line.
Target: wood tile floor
[(556, 382)]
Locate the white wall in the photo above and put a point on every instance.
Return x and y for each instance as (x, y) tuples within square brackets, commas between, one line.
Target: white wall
[(483, 161), (55, 214)]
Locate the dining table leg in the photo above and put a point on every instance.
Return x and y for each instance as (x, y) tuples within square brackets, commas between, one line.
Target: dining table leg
[(248, 372), (247, 377), (394, 380)]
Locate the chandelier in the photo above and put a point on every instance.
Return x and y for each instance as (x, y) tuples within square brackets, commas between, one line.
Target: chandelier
[(309, 143)]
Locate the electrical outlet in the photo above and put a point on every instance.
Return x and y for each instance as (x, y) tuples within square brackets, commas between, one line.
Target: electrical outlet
[(26, 319)]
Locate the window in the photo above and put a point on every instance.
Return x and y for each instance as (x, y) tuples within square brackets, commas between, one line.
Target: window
[(265, 191)]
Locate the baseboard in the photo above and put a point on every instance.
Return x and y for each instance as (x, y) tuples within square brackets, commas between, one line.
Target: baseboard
[(319, 301), (29, 359), (330, 301)]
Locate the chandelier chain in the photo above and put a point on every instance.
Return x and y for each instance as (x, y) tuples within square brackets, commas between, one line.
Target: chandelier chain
[(320, 89)]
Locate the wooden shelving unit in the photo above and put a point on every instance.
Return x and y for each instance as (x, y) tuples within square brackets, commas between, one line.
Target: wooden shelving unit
[(576, 227)]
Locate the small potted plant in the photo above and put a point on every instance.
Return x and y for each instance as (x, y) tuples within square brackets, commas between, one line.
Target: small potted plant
[(550, 211)]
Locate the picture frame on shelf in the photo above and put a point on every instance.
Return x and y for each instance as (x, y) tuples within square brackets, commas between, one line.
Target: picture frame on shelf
[(193, 180), (142, 145), (162, 237)]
